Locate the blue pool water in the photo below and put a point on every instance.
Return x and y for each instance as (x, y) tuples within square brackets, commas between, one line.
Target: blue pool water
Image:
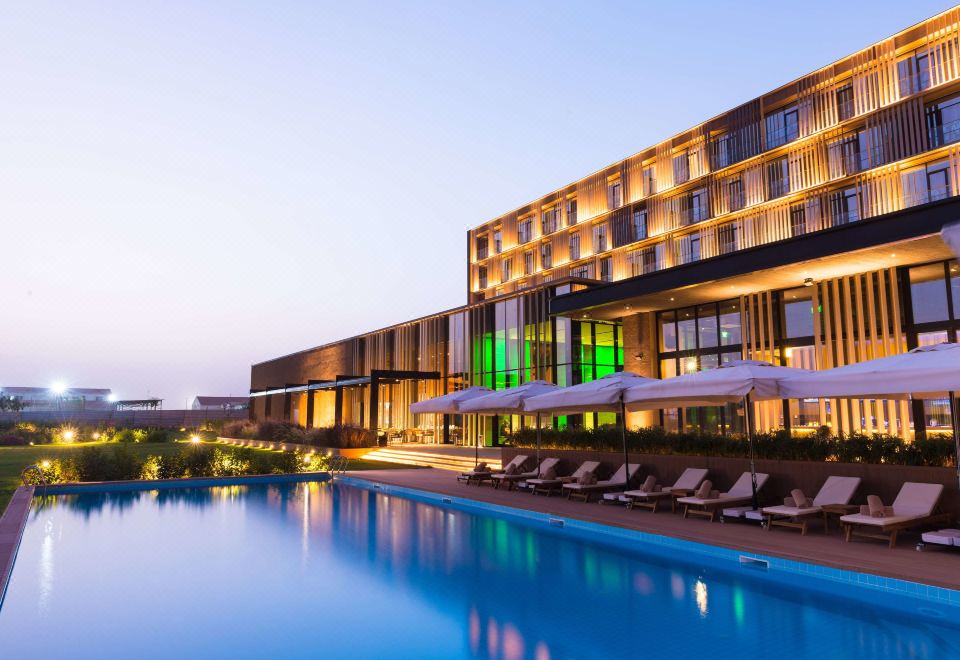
[(334, 570)]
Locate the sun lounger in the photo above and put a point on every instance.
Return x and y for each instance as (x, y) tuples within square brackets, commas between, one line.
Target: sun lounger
[(706, 507), (688, 481), (550, 486), (915, 505), (513, 479), (484, 474), (620, 480), (835, 490)]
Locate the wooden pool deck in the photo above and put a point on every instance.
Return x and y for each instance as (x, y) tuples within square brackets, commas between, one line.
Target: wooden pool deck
[(935, 566)]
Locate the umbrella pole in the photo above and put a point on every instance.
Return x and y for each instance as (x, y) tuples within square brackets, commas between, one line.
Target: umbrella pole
[(623, 437), (476, 445), (955, 422), (538, 445), (748, 422)]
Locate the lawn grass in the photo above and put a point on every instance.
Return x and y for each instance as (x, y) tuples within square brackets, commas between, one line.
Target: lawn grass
[(14, 459)]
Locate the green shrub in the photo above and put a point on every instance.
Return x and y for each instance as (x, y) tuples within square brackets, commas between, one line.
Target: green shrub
[(780, 445), (129, 435), (157, 435)]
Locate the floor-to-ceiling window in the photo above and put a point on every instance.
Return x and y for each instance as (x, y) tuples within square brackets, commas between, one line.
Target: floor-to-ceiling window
[(694, 339)]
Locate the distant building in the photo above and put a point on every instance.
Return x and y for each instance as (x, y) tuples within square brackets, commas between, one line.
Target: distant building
[(73, 398), (220, 403)]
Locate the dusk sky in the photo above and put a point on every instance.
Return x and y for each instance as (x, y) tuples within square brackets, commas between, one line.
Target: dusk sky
[(189, 188)]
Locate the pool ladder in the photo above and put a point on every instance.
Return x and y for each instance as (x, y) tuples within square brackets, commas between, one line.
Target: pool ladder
[(338, 464), (33, 469)]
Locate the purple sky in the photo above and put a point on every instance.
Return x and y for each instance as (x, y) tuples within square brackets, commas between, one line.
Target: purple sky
[(189, 188)]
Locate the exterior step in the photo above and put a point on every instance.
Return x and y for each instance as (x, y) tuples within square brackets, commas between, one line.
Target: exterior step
[(457, 463)]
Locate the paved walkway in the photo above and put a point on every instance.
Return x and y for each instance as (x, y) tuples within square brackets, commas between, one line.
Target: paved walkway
[(935, 566)]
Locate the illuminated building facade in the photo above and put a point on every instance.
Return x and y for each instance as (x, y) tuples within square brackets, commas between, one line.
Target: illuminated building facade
[(798, 228)]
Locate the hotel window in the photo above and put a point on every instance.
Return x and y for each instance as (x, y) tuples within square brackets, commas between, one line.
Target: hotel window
[(574, 246), (848, 155), (582, 272), (528, 262), (690, 248), (599, 237), (782, 126), (929, 293), (548, 222), (844, 206), (639, 225), (649, 181), (681, 168), (735, 194), (926, 184), (845, 107), (943, 122), (482, 249), (546, 255), (797, 313), (720, 147), (798, 220), (646, 260), (506, 270), (696, 338), (778, 178), (571, 212), (525, 230), (497, 241), (727, 238), (914, 73), (699, 206), (606, 269), (614, 194), (482, 277)]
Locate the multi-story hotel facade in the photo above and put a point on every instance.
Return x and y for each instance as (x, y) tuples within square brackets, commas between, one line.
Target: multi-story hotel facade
[(800, 228)]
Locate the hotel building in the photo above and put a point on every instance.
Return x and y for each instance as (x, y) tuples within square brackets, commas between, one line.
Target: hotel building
[(800, 228)]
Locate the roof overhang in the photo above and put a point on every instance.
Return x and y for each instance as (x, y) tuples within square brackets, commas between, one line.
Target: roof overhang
[(905, 237)]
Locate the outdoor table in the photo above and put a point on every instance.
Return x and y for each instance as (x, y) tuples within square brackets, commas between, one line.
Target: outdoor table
[(836, 510), (677, 493)]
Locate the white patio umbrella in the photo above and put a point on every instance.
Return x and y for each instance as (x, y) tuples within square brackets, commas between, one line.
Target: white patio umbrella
[(951, 236), (739, 380), (449, 404), (510, 402), (927, 372), (602, 395)]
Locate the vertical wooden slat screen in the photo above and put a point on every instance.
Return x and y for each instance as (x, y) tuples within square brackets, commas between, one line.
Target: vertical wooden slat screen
[(633, 177), (817, 101), (880, 191), (896, 132), (697, 153), (943, 43), (807, 165), (854, 320), (875, 83), (591, 197), (663, 166)]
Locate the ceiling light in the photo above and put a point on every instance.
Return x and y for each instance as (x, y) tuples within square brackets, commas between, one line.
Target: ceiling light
[(807, 282)]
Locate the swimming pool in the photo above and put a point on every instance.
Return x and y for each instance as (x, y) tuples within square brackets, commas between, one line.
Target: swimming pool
[(344, 570)]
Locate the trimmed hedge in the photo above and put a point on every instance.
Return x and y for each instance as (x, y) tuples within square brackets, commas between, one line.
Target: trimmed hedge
[(344, 437), (98, 463), (854, 448)]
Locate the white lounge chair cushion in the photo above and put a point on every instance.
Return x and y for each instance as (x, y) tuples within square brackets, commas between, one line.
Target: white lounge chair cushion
[(837, 490), (861, 519), (736, 511), (942, 537), (689, 480), (735, 494), (790, 511), (917, 499)]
